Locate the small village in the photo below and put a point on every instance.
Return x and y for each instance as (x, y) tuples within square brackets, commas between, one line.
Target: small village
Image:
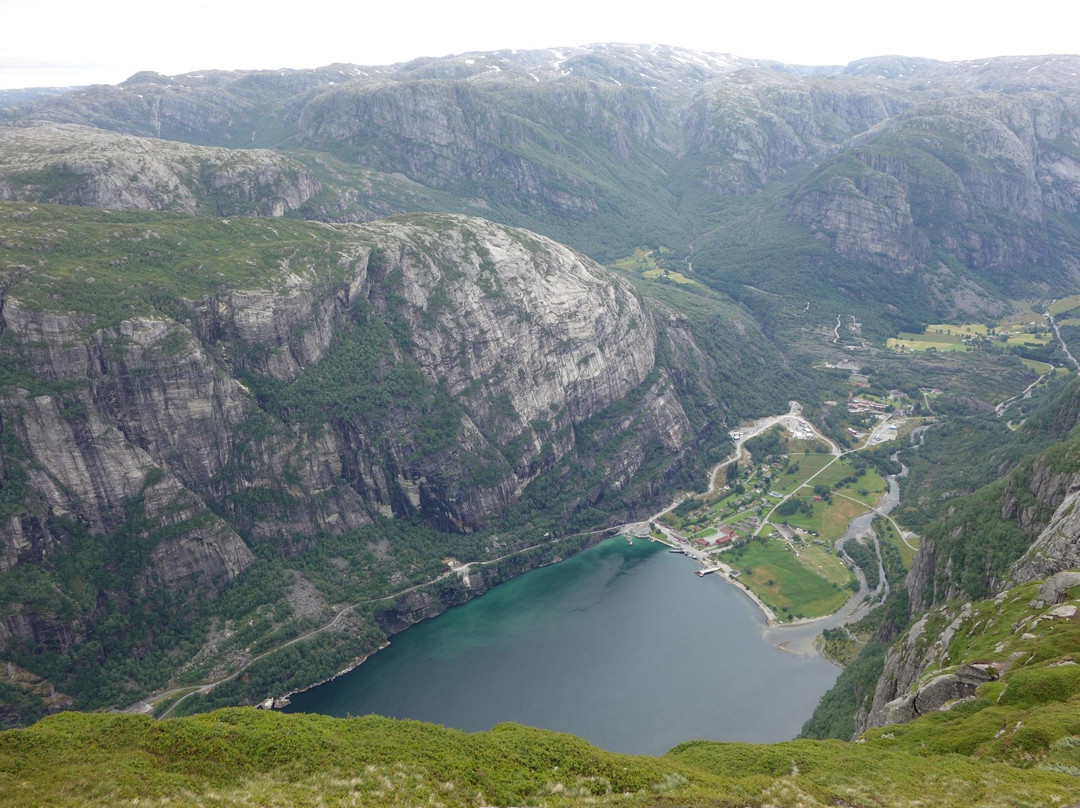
[(776, 511)]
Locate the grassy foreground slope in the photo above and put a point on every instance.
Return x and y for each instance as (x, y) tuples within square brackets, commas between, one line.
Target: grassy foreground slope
[(247, 757), (1016, 743)]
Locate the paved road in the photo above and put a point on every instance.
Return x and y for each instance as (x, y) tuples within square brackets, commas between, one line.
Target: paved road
[(1064, 347)]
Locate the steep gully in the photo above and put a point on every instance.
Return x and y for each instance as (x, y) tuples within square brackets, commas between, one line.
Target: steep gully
[(795, 637)]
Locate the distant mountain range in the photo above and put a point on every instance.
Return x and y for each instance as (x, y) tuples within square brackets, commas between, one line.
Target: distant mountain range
[(867, 170)]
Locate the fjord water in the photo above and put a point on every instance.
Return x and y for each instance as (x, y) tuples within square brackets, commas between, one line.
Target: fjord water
[(621, 645)]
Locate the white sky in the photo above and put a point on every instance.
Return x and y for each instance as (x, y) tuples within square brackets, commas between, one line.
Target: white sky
[(65, 42)]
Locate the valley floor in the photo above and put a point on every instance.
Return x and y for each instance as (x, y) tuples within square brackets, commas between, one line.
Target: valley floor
[(790, 548)]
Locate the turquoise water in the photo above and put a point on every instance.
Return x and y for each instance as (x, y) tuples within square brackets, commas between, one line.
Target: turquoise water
[(623, 646)]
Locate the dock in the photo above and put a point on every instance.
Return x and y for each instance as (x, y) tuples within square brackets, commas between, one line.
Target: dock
[(702, 573)]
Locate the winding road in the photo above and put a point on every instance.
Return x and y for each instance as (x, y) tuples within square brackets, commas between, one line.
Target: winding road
[(1064, 347), (146, 705)]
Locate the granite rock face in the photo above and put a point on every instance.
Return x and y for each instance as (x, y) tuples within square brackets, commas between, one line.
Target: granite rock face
[(974, 178), (751, 125), (1057, 546), (962, 176), (179, 431), (935, 695), (1039, 497)]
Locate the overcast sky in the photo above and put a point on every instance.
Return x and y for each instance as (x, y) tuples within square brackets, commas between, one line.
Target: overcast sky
[(67, 42)]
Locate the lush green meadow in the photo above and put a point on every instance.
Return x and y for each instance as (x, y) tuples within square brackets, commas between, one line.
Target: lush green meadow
[(803, 583)]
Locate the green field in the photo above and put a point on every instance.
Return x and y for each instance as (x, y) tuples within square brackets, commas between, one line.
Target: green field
[(1042, 368), (950, 337), (1031, 340), (871, 482), (788, 585), (824, 562), (827, 521), (924, 342), (644, 263), (958, 331), (640, 261), (887, 533), (1063, 305), (809, 465), (671, 275), (831, 475)]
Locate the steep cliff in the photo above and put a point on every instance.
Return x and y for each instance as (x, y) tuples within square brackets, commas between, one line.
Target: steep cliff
[(959, 180), (747, 127), (1019, 640), (1021, 529), (983, 182), (182, 397)]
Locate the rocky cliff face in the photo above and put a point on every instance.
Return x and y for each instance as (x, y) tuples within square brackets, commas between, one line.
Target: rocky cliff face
[(521, 337), (748, 126), (961, 176), (1027, 514), (516, 141), (427, 368), (1056, 548), (1038, 500), (970, 180), (952, 652)]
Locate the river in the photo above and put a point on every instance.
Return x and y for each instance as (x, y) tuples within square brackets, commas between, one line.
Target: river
[(621, 645)]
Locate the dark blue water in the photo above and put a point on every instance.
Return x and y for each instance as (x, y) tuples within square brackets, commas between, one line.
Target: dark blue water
[(623, 646)]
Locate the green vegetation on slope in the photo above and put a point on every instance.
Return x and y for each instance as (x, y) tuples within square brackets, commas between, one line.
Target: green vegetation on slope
[(115, 264)]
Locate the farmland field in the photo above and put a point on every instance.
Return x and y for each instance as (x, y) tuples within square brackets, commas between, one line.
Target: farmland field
[(1064, 305), (788, 585)]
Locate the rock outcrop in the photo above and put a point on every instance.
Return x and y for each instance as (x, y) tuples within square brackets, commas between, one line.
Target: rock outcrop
[(80, 165), (1057, 547), (937, 694), (1029, 516)]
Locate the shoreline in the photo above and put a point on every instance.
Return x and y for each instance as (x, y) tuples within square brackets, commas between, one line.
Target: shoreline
[(277, 702), (862, 598), (458, 571), (628, 529)]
